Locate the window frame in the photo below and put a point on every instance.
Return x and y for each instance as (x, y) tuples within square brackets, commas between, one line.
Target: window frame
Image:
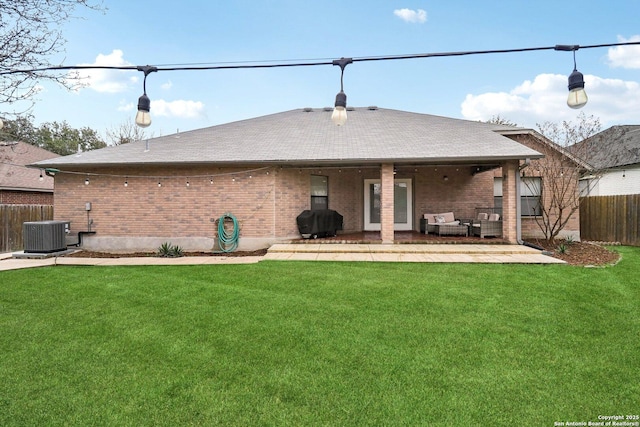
[(319, 201)]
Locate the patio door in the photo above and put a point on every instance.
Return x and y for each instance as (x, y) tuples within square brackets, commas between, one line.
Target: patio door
[(402, 204)]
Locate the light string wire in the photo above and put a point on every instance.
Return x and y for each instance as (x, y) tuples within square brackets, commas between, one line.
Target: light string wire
[(312, 62), (284, 64), (154, 177)]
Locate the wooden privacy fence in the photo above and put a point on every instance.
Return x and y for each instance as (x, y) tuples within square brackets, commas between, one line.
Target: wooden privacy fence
[(11, 219), (611, 219)]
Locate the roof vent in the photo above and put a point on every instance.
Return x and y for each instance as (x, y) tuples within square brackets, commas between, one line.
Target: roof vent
[(372, 107), (351, 108), (328, 109), (307, 109)]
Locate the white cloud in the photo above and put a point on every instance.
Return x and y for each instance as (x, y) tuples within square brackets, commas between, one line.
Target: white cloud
[(167, 85), (625, 56), (109, 81), (179, 108), (613, 101), (126, 106), (414, 16)]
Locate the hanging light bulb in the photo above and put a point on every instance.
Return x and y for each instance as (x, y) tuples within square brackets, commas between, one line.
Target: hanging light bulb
[(577, 96), (86, 181), (339, 115), (143, 118), (41, 177)]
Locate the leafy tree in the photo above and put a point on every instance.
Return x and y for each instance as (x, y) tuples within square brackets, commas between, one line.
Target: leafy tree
[(62, 139), (30, 36), (57, 137), (20, 129)]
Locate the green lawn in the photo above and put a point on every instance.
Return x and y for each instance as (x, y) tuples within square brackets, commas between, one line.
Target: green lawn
[(313, 343)]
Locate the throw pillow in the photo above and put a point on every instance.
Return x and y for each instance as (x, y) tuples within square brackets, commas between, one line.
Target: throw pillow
[(439, 219)]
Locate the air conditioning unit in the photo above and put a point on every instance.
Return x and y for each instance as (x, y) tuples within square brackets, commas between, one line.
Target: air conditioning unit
[(45, 236)]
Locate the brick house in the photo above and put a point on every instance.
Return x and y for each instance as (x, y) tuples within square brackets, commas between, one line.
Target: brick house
[(20, 185), (381, 171)]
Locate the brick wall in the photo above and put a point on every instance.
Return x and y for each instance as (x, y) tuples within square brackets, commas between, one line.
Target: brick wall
[(9, 197), (446, 189), (143, 208), (266, 202)]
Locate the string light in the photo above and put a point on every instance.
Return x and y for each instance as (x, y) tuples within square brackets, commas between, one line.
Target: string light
[(339, 115), (577, 96), (143, 118)]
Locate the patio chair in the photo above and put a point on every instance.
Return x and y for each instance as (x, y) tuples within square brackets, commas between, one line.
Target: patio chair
[(490, 227)]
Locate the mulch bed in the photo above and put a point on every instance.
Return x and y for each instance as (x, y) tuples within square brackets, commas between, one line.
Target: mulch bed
[(580, 253), (90, 254)]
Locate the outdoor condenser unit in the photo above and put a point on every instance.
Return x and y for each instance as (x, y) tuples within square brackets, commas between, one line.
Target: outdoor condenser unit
[(45, 236)]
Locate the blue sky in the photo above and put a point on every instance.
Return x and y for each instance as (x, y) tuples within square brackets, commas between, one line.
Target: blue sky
[(527, 88)]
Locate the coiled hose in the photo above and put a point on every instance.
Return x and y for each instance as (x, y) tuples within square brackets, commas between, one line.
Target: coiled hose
[(228, 241)]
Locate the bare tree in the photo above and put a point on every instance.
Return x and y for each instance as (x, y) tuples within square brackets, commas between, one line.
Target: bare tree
[(125, 133), (30, 36), (499, 120), (560, 171)]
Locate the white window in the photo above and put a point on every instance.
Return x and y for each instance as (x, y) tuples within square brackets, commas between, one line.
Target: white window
[(319, 192), (530, 195)]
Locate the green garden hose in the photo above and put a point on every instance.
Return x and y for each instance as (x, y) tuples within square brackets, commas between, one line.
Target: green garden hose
[(228, 241)]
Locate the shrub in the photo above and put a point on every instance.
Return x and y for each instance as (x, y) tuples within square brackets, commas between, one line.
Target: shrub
[(167, 250)]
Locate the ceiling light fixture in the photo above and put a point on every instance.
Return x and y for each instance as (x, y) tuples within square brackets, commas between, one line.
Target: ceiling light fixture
[(339, 115)]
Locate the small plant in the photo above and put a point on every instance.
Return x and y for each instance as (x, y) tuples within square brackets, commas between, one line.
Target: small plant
[(569, 239), (167, 250), (563, 248)]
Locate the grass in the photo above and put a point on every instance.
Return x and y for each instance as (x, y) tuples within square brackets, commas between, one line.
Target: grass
[(297, 343)]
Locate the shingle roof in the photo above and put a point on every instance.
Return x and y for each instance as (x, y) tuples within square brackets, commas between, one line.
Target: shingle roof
[(13, 173), (307, 136), (614, 147)]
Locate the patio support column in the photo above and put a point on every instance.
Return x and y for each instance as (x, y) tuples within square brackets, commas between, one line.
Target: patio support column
[(386, 203), (509, 194)]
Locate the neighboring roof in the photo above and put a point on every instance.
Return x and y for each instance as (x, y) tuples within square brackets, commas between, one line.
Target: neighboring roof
[(13, 173), (614, 147), (307, 136)]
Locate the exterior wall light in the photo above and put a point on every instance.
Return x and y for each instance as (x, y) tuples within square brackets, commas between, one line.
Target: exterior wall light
[(339, 115), (577, 96), (143, 118)]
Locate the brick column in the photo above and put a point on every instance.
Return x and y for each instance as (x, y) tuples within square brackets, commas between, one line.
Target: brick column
[(387, 203), (509, 214)]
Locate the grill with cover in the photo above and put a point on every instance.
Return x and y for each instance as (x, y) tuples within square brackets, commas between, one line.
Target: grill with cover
[(319, 223)]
